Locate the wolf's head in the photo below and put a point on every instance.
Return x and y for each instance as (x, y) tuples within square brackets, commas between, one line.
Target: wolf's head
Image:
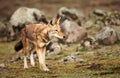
[(55, 30)]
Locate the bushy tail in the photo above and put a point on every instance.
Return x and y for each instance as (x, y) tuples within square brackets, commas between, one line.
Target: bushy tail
[(18, 46)]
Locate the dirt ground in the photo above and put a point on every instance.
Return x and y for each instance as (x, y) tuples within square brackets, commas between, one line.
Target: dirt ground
[(99, 63)]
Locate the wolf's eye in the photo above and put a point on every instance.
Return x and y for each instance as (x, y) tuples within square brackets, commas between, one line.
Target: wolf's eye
[(56, 30)]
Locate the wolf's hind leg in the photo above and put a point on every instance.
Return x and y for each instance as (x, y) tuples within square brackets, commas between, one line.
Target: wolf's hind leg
[(25, 46)]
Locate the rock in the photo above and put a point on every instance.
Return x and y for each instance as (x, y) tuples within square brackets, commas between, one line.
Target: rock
[(89, 24), (7, 31), (70, 24), (15, 58), (23, 16), (56, 47), (73, 32), (2, 65), (69, 59), (3, 30), (118, 35), (112, 18), (99, 12), (53, 48), (80, 60), (89, 43), (107, 18), (11, 34), (72, 58), (107, 36), (71, 14)]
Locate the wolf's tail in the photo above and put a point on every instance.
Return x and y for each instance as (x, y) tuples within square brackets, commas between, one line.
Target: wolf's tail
[(18, 46)]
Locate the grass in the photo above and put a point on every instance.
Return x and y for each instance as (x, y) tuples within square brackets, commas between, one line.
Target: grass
[(82, 50), (118, 42), (110, 67)]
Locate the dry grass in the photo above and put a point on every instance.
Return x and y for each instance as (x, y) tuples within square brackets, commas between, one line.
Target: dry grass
[(108, 61)]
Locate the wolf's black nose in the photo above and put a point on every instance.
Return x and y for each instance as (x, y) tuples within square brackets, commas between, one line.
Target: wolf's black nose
[(63, 36)]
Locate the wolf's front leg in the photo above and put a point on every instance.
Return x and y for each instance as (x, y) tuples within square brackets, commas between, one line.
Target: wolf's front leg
[(25, 46), (41, 57), (32, 59)]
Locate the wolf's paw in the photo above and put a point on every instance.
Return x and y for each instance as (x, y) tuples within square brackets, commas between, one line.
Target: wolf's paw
[(46, 70), (25, 67)]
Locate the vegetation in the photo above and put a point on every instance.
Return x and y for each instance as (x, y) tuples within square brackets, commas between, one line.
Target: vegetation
[(102, 63)]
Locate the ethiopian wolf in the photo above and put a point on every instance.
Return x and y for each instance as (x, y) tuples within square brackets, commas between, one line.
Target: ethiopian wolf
[(39, 35)]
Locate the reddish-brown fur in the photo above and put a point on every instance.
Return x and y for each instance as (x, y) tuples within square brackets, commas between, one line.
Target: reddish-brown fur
[(38, 35)]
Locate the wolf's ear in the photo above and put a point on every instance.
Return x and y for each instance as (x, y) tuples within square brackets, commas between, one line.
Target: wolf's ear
[(51, 22), (57, 20)]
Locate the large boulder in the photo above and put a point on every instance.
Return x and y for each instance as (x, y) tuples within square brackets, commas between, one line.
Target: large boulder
[(99, 12), (107, 36), (10, 34), (106, 18), (71, 14), (112, 18), (73, 32), (3, 30), (6, 31), (23, 16)]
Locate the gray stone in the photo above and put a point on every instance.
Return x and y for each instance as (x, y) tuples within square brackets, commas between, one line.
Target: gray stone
[(89, 43), (54, 48), (118, 35), (69, 59), (2, 65), (24, 15), (112, 18), (15, 58), (72, 58), (107, 36), (89, 24), (99, 12), (73, 32), (3, 30), (70, 12)]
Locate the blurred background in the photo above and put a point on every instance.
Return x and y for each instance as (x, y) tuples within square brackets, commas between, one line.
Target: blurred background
[(50, 8)]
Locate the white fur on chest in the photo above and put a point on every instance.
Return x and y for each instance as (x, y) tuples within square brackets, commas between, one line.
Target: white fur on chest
[(42, 44)]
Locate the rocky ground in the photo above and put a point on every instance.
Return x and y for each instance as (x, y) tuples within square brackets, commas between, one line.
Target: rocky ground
[(74, 60), (99, 63)]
